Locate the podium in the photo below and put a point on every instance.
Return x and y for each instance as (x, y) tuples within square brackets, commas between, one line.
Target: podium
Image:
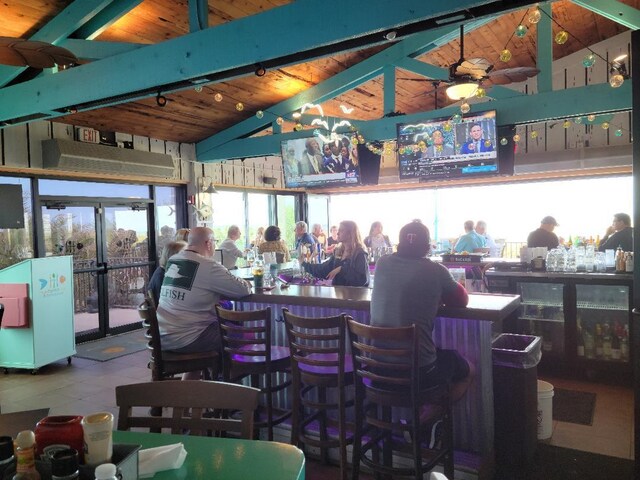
[(48, 334)]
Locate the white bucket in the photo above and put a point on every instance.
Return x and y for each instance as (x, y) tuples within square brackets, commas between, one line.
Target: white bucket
[(545, 410)]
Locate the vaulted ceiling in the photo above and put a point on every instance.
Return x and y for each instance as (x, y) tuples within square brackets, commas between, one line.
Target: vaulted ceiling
[(119, 27)]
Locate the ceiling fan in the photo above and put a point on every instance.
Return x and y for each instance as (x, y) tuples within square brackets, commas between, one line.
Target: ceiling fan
[(466, 75), (18, 52)]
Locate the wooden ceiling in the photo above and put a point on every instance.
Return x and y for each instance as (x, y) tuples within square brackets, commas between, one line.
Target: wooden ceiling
[(191, 116)]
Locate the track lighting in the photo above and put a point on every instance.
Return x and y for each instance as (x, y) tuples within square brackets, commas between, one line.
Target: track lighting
[(161, 100)]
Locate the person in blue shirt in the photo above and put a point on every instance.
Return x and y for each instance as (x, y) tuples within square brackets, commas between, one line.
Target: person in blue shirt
[(302, 236), (470, 240)]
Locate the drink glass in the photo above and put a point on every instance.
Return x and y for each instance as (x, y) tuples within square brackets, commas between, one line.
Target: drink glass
[(600, 262), (251, 256)]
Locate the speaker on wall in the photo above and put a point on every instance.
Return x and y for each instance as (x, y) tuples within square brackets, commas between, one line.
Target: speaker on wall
[(12, 211), (369, 164)]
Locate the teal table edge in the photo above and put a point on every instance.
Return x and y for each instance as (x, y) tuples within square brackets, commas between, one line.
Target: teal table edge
[(228, 458)]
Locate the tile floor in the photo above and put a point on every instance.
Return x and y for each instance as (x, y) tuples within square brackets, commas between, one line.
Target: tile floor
[(88, 386)]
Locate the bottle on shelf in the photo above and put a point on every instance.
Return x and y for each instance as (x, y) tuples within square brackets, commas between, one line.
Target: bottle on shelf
[(616, 353), (620, 263), (597, 242), (597, 340), (26, 456), (547, 340), (624, 345), (589, 344), (629, 262), (580, 339), (606, 341)]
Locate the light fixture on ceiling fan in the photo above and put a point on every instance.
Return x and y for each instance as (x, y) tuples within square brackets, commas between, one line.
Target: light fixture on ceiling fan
[(18, 52)]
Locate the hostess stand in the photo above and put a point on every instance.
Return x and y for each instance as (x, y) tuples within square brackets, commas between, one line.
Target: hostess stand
[(37, 326)]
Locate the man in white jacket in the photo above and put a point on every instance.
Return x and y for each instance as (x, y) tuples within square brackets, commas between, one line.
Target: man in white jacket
[(193, 284)]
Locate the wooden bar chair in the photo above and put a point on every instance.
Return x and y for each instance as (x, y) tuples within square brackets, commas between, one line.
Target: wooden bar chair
[(189, 404), (167, 364), (248, 352), (320, 367), (388, 402)]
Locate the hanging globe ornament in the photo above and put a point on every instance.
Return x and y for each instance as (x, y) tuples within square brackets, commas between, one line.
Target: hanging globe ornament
[(465, 107), (297, 127), (566, 124), (591, 118), (316, 133), (505, 55), (280, 120), (561, 37), (589, 60), (456, 119), (239, 106), (198, 88), (534, 17), (605, 125), (481, 92), (521, 31), (259, 114), (534, 134), (447, 127), (217, 97), (503, 141), (616, 80), (577, 120), (516, 138), (618, 133)]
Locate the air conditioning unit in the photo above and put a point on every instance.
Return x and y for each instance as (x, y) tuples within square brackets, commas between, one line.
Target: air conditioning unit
[(73, 156)]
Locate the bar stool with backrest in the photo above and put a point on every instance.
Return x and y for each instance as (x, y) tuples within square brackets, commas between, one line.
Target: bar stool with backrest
[(166, 364), (248, 352), (319, 367), (388, 402)]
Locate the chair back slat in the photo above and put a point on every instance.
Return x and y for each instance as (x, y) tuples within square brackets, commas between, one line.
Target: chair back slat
[(239, 330)]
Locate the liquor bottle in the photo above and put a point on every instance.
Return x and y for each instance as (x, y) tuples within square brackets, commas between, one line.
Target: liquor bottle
[(606, 341), (620, 263), (597, 340), (580, 339), (624, 345), (547, 341), (25, 453), (629, 262), (589, 344), (597, 242), (616, 353)]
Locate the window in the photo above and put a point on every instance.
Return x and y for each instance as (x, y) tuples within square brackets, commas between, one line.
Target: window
[(228, 209), (286, 218), (257, 213), (166, 220)]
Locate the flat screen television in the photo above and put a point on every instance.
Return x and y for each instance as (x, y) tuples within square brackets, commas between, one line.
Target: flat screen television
[(438, 149), (310, 162)]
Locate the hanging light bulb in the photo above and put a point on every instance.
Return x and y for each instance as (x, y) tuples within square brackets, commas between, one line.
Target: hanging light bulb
[(561, 37), (619, 132), (577, 120), (447, 127), (481, 92), (239, 106), (521, 31), (259, 114), (198, 88), (566, 124), (297, 127), (217, 97), (505, 55), (589, 60), (616, 80), (591, 118), (465, 107), (534, 17), (456, 119), (605, 125), (533, 134), (503, 141), (516, 138), (280, 121)]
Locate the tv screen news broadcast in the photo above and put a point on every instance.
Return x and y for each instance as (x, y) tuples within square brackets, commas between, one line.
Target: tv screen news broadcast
[(310, 162), (441, 149)]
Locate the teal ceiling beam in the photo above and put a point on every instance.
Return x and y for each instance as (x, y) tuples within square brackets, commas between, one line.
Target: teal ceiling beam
[(198, 15), (96, 50), (454, 34), (613, 10), (58, 28), (105, 18), (521, 109), (498, 92), (340, 83), (544, 61), (177, 62), (389, 89), (422, 68)]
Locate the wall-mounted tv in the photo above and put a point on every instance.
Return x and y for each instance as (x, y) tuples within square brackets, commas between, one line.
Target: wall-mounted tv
[(439, 148), (310, 162)]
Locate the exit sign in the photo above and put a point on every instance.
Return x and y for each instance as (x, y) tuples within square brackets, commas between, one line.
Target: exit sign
[(88, 135)]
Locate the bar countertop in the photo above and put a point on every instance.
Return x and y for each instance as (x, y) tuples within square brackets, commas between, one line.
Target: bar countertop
[(491, 307)]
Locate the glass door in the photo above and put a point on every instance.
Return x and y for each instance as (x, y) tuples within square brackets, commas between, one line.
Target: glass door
[(110, 248), (542, 314)]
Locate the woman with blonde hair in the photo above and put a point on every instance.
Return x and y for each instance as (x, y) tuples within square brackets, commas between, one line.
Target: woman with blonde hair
[(349, 264)]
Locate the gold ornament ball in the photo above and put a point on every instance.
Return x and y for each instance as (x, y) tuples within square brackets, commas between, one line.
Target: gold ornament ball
[(481, 92), (259, 114), (217, 97), (605, 125), (297, 127), (239, 106), (562, 37), (465, 107), (616, 80), (279, 120), (533, 134), (505, 55), (534, 17), (591, 118), (516, 138), (566, 124)]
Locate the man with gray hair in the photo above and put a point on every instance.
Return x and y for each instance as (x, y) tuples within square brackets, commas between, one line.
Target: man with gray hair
[(230, 252), (302, 236), (470, 240), (193, 284), (494, 248)]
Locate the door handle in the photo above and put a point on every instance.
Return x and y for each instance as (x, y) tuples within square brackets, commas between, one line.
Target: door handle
[(102, 267)]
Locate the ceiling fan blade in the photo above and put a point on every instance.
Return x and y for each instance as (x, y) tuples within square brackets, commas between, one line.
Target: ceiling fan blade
[(511, 75), (29, 53)]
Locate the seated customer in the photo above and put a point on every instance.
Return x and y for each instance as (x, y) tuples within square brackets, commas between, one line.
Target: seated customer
[(408, 289), (193, 284), (619, 234), (169, 250), (273, 243), (470, 240), (231, 253), (544, 236), (376, 239), (348, 265)]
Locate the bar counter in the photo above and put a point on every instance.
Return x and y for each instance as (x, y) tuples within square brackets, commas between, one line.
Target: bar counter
[(468, 330)]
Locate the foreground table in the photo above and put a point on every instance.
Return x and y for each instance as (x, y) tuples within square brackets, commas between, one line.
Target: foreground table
[(224, 458)]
